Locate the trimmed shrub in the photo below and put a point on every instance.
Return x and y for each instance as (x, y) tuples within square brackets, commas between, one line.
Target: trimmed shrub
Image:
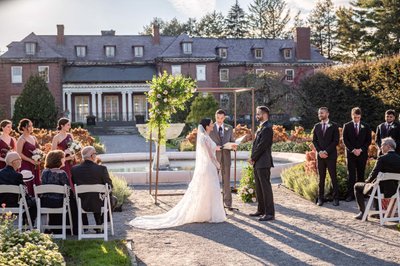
[(247, 187), (121, 190)]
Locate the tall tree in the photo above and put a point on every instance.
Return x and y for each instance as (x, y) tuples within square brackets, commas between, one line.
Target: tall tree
[(148, 29), (211, 25), (236, 22), (172, 27), (322, 21), (349, 35), (269, 18)]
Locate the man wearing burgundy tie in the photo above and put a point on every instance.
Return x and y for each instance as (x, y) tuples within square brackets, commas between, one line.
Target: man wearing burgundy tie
[(390, 128), (356, 139), (325, 140)]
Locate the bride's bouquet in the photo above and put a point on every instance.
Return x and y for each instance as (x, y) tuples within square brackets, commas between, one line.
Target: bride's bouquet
[(74, 146)]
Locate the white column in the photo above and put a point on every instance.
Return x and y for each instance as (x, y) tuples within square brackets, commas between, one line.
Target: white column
[(69, 105), (99, 106), (94, 104), (124, 106), (147, 110), (63, 101), (130, 114)]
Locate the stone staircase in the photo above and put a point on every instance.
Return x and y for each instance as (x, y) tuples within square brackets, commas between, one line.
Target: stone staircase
[(108, 128)]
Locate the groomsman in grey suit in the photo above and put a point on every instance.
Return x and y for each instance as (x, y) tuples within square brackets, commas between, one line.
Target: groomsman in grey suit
[(222, 134)]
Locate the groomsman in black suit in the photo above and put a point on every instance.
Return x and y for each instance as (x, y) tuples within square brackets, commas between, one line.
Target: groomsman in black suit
[(356, 139), (390, 128), (261, 159), (325, 140)]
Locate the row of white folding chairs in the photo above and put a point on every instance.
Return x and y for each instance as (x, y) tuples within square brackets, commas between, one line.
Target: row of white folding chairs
[(103, 190)]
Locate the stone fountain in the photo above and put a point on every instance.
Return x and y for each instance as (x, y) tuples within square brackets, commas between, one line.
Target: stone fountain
[(173, 131)]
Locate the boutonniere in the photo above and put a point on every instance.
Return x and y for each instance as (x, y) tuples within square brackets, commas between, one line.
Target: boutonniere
[(362, 126), (226, 128), (393, 126), (329, 125), (259, 127)]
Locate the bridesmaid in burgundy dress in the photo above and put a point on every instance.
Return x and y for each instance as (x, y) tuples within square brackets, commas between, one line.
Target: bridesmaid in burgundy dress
[(26, 144), (7, 143), (61, 141)]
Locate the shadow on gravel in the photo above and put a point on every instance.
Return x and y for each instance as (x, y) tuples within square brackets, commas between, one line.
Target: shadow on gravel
[(236, 238), (327, 251)]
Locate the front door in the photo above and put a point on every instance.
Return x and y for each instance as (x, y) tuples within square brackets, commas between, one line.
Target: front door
[(111, 108), (81, 108)]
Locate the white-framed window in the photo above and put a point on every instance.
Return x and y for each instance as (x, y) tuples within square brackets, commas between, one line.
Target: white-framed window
[(223, 52), (44, 72), (139, 104), (138, 51), (13, 98), (16, 74), (80, 51), (200, 72), (260, 71), (110, 50), (289, 75), (30, 48), (187, 47), (176, 70), (224, 74), (258, 53), (287, 53)]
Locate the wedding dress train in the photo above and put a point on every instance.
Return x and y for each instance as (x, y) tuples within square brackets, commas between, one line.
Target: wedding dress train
[(202, 201)]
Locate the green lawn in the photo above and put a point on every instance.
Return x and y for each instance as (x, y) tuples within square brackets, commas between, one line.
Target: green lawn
[(94, 252)]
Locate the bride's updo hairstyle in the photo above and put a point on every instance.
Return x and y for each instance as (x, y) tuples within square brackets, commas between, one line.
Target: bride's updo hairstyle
[(205, 122)]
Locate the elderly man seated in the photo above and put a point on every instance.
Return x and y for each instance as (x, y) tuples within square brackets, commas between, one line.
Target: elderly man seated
[(89, 172), (389, 162), (10, 176)]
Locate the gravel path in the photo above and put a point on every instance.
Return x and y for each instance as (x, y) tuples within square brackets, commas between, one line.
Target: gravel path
[(302, 234)]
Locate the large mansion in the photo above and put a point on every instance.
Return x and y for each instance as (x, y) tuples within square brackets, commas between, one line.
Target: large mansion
[(105, 75)]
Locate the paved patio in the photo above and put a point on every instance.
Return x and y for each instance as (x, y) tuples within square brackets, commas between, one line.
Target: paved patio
[(302, 234)]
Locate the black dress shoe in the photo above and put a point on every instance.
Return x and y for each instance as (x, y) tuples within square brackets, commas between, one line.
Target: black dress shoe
[(359, 216), (375, 216), (349, 198), (266, 218), (320, 202), (335, 202), (256, 214)]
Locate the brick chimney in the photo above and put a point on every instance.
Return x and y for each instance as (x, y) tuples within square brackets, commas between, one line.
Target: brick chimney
[(156, 34), (60, 34), (303, 45)]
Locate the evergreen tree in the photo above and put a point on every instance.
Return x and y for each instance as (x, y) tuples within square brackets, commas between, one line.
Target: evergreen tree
[(202, 107), (148, 29), (269, 18), (236, 22), (212, 25), (36, 103), (322, 21)]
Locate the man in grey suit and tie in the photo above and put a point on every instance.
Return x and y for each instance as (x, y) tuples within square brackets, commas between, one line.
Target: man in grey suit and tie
[(222, 134)]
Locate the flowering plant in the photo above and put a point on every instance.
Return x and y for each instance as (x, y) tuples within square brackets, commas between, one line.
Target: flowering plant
[(37, 155), (74, 146), (167, 95), (247, 188)]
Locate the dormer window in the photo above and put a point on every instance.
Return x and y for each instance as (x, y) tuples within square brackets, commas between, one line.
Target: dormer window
[(138, 51), (223, 52), (287, 53), (258, 53), (80, 51), (30, 48), (109, 51), (187, 47)]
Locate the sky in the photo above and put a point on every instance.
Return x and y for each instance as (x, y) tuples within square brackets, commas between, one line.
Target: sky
[(18, 18)]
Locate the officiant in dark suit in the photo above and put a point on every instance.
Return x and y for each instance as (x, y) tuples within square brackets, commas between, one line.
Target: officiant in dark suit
[(356, 138), (222, 134), (261, 159), (325, 140), (390, 128)]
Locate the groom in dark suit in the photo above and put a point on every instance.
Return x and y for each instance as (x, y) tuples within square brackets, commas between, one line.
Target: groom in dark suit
[(325, 140), (356, 138), (261, 159)]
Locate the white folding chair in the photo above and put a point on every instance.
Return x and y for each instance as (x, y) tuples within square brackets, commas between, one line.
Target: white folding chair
[(55, 189), (22, 204), (388, 214), (104, 194)]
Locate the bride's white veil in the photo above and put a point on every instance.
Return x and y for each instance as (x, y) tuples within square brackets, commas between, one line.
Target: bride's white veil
[(202, 157)]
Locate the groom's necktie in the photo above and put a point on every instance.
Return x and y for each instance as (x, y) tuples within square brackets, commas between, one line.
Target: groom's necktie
[(221, 135)]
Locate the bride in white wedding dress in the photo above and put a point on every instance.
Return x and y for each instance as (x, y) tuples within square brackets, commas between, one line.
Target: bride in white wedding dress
[(202, 201)]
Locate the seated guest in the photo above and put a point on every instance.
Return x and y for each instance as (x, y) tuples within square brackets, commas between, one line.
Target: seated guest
[(10, 176), (53, 175), (389, 162), (89, 172)]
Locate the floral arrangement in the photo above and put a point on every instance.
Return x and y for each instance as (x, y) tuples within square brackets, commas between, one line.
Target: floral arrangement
[(74, 146), (247, 187), (167, 95), (37, 155)]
